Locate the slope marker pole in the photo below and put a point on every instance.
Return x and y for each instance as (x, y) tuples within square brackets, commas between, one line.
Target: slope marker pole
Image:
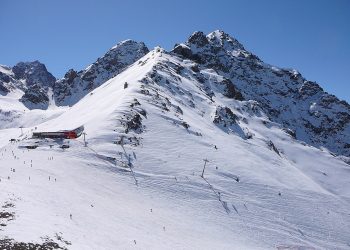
[(205, 163)]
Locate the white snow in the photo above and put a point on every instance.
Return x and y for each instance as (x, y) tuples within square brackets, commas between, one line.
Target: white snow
[(6, 70)]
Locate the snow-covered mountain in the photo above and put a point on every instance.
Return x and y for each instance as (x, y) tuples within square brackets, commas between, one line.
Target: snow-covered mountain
[(28, 89), (24, 76), (316, 117), (24, 93), (75, 85), (181, 152)]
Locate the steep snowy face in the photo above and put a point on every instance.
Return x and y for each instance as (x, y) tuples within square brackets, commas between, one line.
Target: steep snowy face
[(76, 85), (315, 116)]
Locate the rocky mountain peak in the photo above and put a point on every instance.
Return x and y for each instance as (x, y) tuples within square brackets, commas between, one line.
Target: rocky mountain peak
[(33, 73), (283, 94), (220, 38), (124, 52), (217, 50), (198, 38), (32, 78), (216, 40)]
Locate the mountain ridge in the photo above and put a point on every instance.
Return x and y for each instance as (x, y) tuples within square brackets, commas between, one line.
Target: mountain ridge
[(277, 90), (175, 155), (313, 115)]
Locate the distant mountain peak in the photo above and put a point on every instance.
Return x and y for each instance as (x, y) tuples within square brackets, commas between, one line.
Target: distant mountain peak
[(221, 38), (198, 38), (33, 73), (128, 42), (75, 85), (217, 38)]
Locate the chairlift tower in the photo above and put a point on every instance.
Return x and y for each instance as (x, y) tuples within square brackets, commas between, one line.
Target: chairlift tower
[(21, 127), (84, 134)]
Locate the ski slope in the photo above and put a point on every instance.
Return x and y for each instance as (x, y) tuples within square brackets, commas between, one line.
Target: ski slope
[(261, 189)]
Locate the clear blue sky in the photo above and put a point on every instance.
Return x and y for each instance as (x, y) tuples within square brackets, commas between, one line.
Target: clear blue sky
[(312, 36)]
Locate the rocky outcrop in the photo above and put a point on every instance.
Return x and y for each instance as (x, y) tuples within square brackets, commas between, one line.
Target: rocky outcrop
[(3, 80), (225, 117), (228, 121), (230, 90), (35, 97)]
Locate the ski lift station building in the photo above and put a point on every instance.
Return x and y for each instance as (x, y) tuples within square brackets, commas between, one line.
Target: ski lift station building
[(62, 134)]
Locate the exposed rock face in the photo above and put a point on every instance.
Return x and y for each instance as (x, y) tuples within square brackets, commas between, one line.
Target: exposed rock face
[(3, 89), (33, 73), (75, 85), (225, 117), (30, 77), (7, 81), (226, 120), (35, 97), (230, 90), (317, 117), (3, 80)]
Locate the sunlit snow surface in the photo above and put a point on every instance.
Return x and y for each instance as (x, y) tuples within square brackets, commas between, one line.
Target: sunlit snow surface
[(251, 197)]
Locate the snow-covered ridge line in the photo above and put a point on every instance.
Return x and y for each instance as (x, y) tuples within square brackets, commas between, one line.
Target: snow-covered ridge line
[(75, 85)]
